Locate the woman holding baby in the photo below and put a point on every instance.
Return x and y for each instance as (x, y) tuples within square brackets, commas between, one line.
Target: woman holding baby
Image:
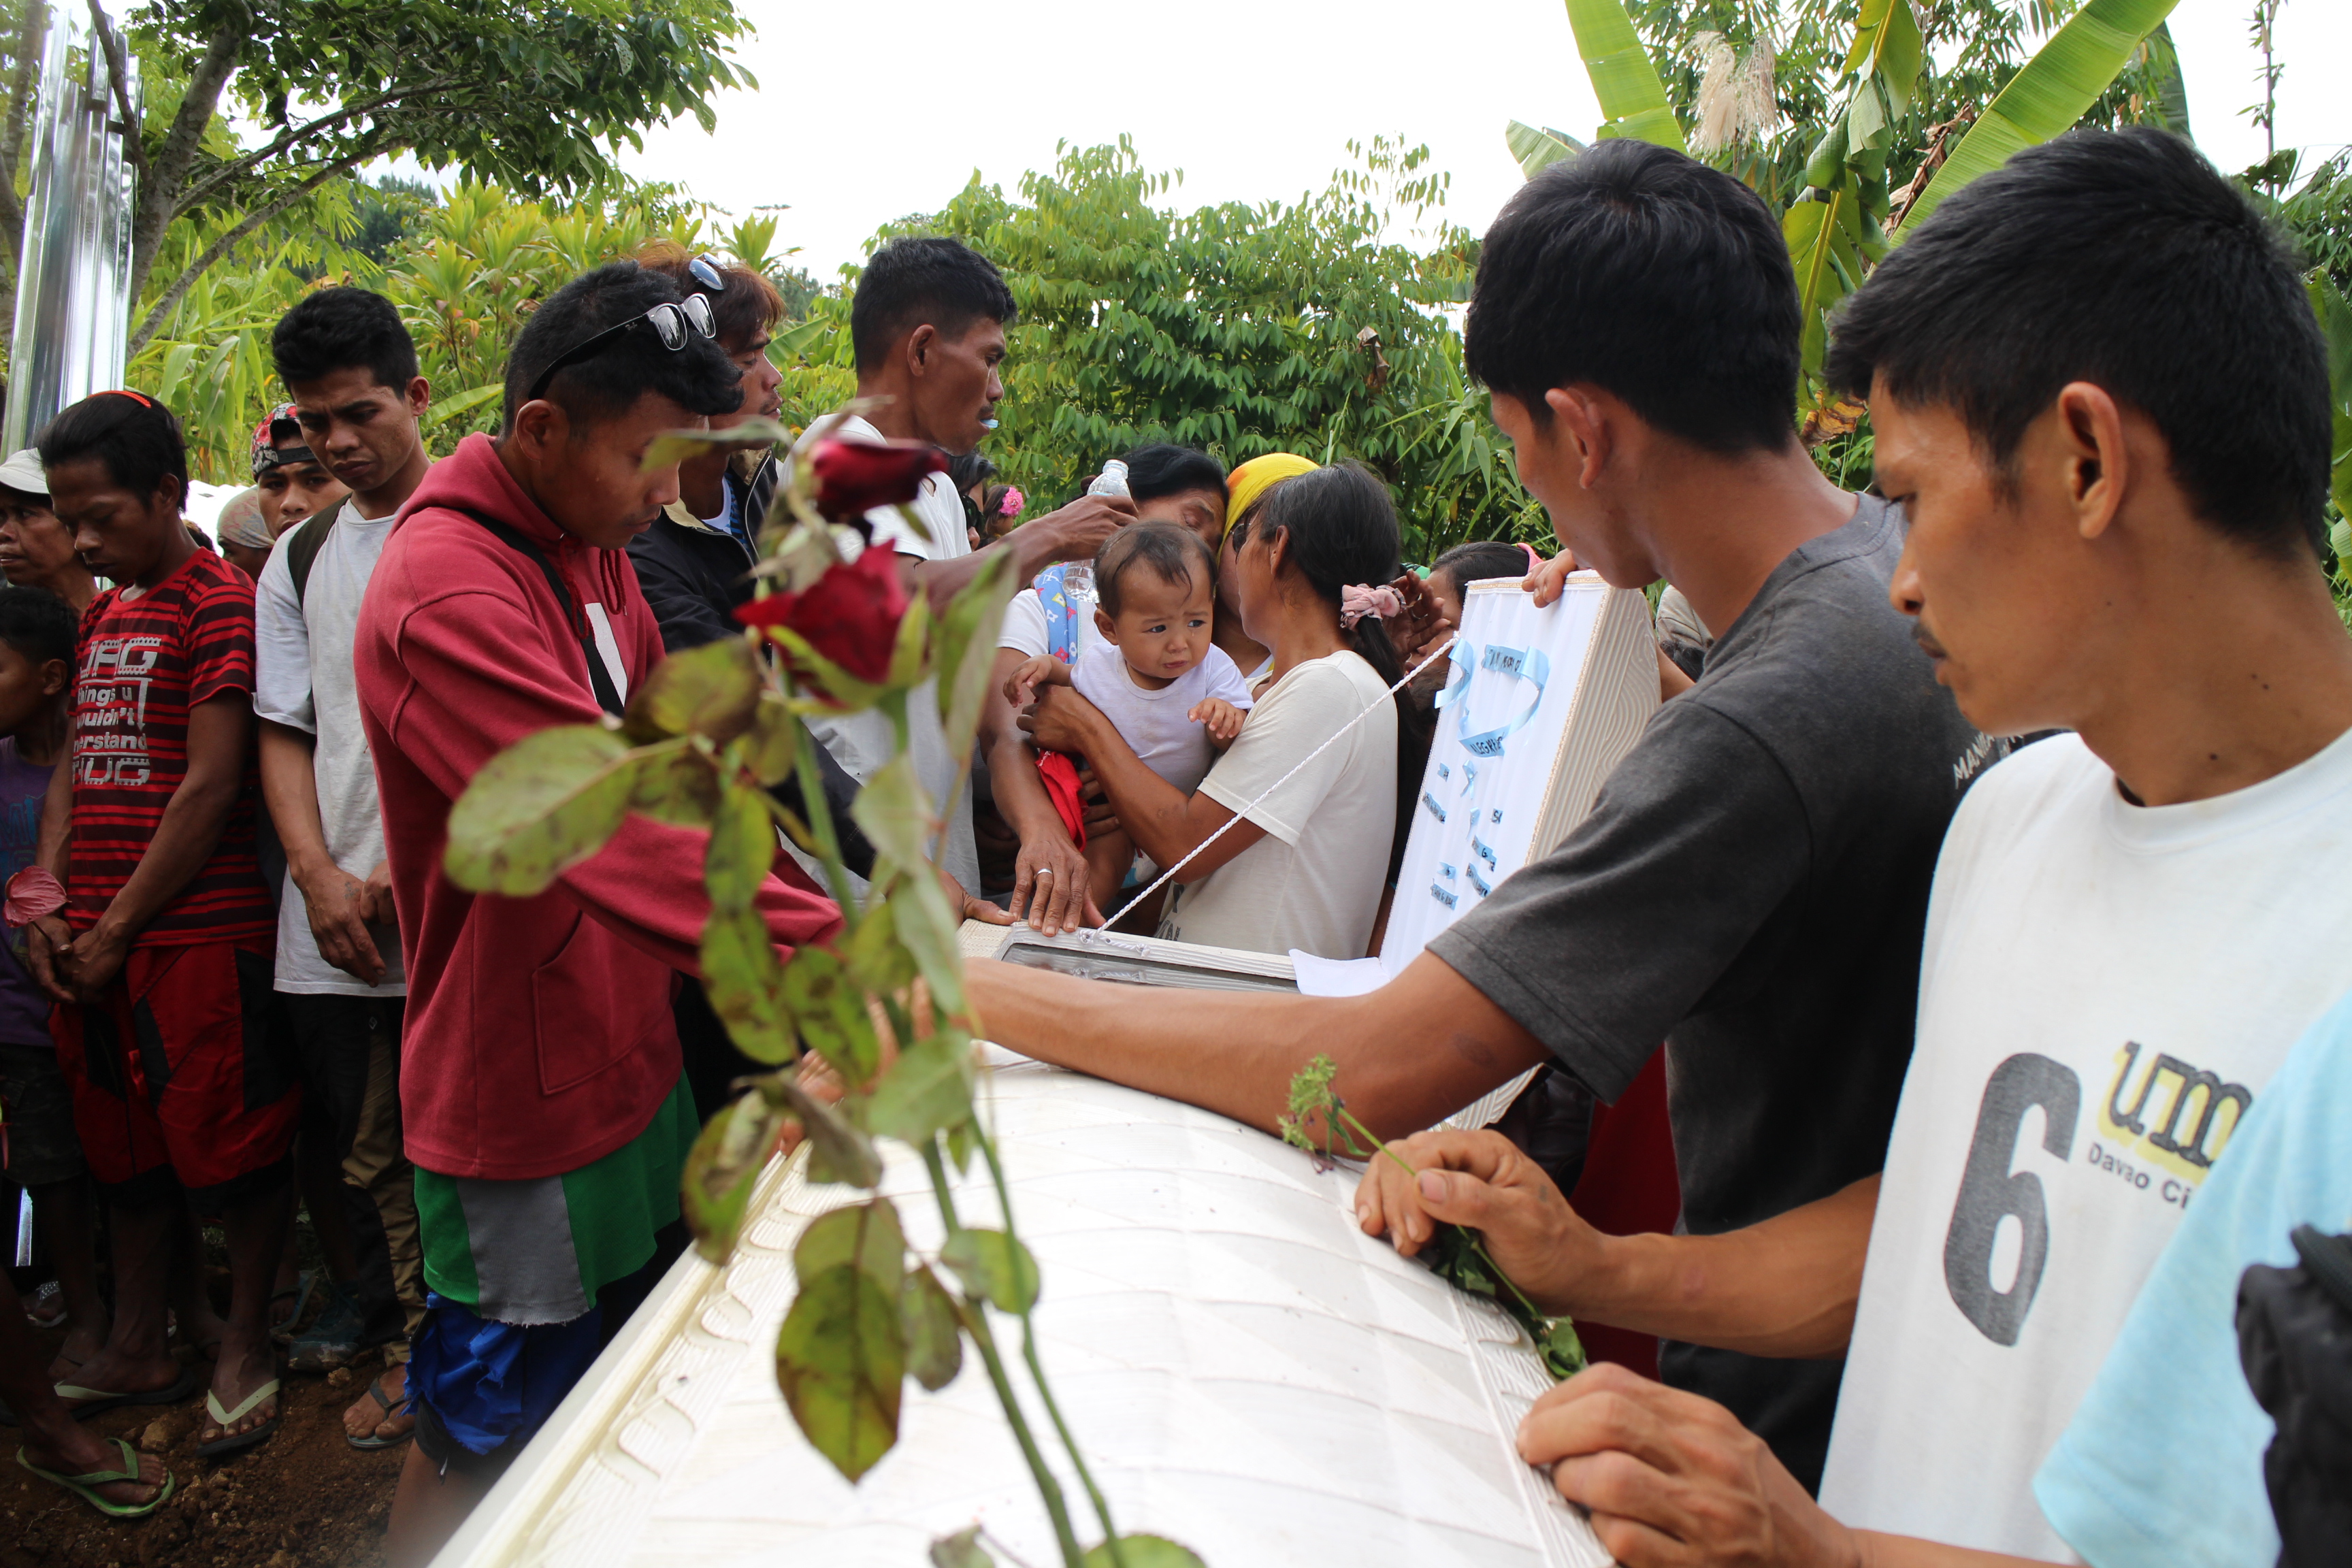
[(1304, 865)]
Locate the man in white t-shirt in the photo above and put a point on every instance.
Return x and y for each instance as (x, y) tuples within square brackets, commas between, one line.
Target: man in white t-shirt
[(2098, 389), (927, 327), (352, 367)]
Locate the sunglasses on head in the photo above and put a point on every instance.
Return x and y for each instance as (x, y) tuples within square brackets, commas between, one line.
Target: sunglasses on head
[(671, 321)]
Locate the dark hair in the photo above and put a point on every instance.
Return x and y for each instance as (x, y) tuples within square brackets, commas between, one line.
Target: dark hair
[(968, 470), (135, 437), (749, 305), (1177, 554), (698, 377), (911, 282), (39, 625), (342, 329), (1482, 559), (1342, 528), (1162, 468), (1652, 276), (2120, 258)]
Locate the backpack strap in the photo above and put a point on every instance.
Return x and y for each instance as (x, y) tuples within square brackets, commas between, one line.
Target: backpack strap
[(600, 678), (302, 550)]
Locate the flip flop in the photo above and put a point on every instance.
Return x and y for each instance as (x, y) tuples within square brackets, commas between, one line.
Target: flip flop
[(46, 1308), (85, 1486), (220, 1447), (96, 1399), (405, 1407)]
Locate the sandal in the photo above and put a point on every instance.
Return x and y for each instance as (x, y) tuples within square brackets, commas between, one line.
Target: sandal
[(406, 1407), (46, 1308), (85, 1486), (93, 1400), (236, 1443)]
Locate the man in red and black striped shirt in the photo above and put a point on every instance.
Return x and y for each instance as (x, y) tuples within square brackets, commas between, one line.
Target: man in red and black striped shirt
[(162, 954)]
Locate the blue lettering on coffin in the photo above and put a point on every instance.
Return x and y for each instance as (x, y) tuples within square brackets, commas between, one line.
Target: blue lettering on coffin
[(1483, 852), (1442, 896), (1445, 870), (1430, 801), (1479, 882)]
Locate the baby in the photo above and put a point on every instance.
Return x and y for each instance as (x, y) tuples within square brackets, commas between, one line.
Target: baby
[(1173, 696)]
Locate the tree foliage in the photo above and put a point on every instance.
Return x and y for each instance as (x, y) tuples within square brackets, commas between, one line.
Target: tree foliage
[(536, 95), (1320, 327)]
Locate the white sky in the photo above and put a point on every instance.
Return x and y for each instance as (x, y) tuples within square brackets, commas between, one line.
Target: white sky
[(856, 124)]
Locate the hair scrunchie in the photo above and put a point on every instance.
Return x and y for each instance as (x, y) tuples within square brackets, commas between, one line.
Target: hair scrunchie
[(1357, 600)]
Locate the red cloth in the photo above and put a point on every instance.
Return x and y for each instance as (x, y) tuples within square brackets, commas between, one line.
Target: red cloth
[(1629, 1188), (168, 1070), (1060, 772), (144, 663), (539, 1036)]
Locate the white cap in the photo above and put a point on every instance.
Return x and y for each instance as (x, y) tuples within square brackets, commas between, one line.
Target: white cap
[(23, 471)]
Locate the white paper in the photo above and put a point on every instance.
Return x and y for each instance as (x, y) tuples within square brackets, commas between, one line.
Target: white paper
[(1337, 976), (1490, 764)]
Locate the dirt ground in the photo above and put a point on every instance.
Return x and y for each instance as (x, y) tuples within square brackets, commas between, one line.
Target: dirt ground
[(304, 1499)]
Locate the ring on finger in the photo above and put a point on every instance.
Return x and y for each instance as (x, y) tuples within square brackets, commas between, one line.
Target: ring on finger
[(1043, 871)]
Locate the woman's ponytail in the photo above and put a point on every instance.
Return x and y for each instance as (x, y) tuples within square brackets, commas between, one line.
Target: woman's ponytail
[(1344, 542)]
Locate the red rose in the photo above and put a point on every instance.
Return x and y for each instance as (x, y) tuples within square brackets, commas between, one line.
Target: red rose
[(851, 616), (853, 477)]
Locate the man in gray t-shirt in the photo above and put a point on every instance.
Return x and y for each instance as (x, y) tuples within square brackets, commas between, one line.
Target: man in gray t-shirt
[(1750, 888), (352, 367)]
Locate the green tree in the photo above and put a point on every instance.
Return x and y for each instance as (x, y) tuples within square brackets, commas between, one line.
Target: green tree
[(1308, 326), (535, 94)]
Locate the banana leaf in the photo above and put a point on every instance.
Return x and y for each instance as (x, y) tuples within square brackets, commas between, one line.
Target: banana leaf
[(1536, 151), (2063, 79), (1632, 101), (2172, 94)]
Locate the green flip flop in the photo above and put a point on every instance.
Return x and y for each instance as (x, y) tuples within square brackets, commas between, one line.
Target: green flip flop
[(85, 1486), (220, 1447), (86, 1403)]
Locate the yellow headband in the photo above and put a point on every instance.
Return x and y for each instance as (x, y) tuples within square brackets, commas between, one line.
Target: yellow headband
[(1247, 484)]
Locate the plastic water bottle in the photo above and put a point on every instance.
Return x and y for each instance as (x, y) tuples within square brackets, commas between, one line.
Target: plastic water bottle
[(1078, 576)]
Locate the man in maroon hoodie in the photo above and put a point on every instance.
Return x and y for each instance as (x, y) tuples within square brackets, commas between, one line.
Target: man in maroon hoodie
[(540, 1076)]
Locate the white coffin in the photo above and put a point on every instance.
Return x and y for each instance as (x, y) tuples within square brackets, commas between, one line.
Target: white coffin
[(1248, 1373)]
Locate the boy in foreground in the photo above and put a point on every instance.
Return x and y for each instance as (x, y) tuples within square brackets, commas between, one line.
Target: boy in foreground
[(348, 360), (2113, 440), (161, 953), (540, 1093)]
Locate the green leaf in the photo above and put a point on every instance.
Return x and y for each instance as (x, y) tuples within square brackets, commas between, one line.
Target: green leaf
[(745, 982), (910, 654), (1535, 150), (995, 1265), (769, 745), (713, 690), (963, 1141), (934, 1334), (721, 1167), (1633, 101), (742, 846), (831, 1014), (927, 1090), (1142, 1551), (541, 807), (894, 813), (842, 1365), (752, 435), (676, 784), (876, 960), (966, 648), (962, 1549), (839, 1153), (864, 1236), (2046, 97), (927, 926), (1562, 1351), (446, 408)]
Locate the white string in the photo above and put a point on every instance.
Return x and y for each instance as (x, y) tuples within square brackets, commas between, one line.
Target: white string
[(1089, 934)]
